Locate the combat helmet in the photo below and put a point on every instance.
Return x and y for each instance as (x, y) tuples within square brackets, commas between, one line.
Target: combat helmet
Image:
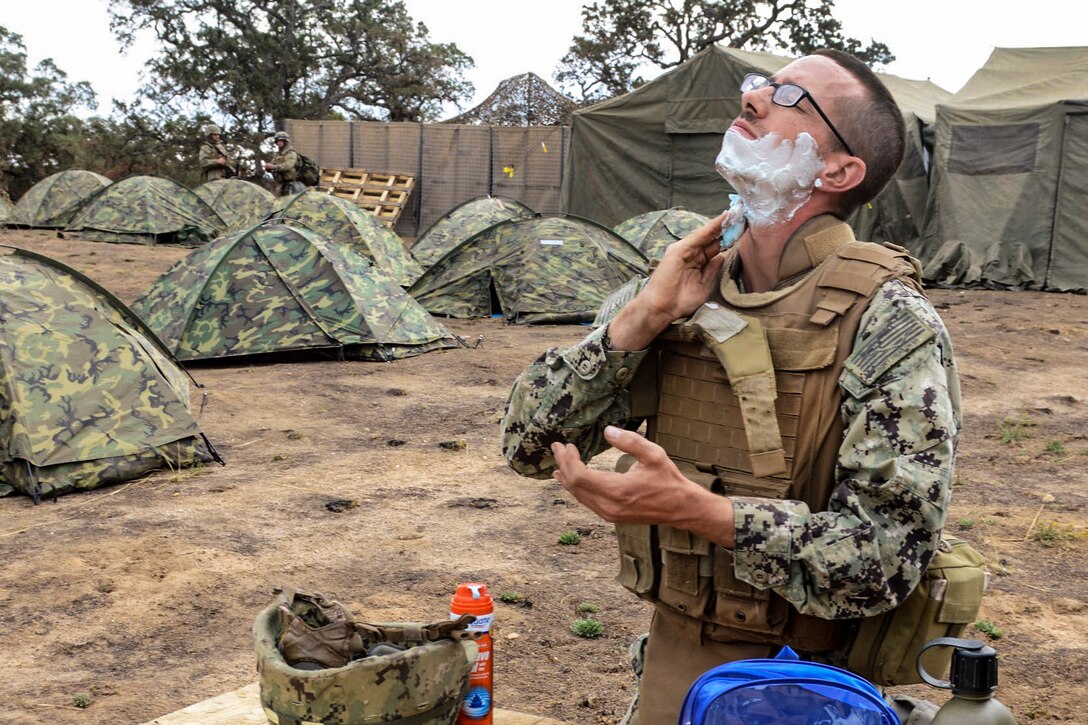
[(316, 664), (212, 129), (281, 136)]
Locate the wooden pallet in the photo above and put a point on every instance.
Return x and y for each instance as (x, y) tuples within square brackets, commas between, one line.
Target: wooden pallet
[(383, 194)]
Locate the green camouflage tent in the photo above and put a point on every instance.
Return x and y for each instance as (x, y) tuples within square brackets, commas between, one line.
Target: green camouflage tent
[(147, 210), (462, 222), (88, 395), (653, 231), (240, 203), (279, 287), (539, 269), (654, 148), (1010, 175), (51, 203), (342, 221), (6, 207)]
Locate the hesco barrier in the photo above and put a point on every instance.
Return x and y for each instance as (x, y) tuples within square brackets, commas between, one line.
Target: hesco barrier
[(451, 163)]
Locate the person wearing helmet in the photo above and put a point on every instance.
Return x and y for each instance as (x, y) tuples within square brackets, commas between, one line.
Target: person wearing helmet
[(215, 159), (284, 166)]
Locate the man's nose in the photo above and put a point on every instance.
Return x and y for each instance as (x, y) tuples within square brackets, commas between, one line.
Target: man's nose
[(757, 100)]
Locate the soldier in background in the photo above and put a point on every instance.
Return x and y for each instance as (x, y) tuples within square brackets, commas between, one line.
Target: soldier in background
[(215, 159), (284, 166)]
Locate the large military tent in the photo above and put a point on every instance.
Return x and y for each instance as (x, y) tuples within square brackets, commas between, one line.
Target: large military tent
[(240, 203), (51, 203), (88, 395), (539, 269), (1010, 173), (653, 231), (279, 288), (654, 148), (342, 221), (462, 222), (147, 210)]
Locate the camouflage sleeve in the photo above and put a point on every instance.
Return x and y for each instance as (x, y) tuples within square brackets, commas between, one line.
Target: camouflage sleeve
[(285, 164), (901, 408), (208, 156), (570, 396)]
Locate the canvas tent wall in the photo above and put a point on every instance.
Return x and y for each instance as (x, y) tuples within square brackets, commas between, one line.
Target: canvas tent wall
[(51, 203), (1010, 173), (654, 148)]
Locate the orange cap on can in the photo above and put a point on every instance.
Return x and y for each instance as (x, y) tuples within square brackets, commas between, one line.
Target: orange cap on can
[(472, 598)]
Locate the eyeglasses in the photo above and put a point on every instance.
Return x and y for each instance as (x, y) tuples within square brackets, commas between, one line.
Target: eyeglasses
[(789, 95)]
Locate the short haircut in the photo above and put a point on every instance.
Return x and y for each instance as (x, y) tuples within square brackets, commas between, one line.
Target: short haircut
[(874, 127)]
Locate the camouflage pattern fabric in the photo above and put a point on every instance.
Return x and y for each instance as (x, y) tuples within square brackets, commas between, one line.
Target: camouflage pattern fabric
[(53, 201), (653, 231), (278, 287), (208, 157), (463, 222), (87, 396), (423, 684), (544, 269), (339, 220), (902, 413), (240, 203), (284, 165), (147, 210), (6, 207)]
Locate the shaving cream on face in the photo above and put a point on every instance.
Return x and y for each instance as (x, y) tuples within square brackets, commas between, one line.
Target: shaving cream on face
[(773, 176)]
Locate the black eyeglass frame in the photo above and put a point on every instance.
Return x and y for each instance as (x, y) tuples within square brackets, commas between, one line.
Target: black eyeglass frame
[(758, 81)]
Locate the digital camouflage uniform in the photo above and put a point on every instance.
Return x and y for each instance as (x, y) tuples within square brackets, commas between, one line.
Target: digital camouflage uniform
[(285, 171), (856, 552), (210, 168)]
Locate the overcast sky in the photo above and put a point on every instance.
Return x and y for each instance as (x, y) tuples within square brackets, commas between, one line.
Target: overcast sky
[(942, 40)]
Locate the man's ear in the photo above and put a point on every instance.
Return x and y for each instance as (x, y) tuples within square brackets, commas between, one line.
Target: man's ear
[(842, 173)]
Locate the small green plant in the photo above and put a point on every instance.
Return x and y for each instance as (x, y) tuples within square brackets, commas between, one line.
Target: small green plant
[(82, 700), (1055, 532), (1013, 431), (570, 538), (990, 521), (967, 524), (509, 597), (587, 628), (588, 608), (1055, 446), (988, 628)]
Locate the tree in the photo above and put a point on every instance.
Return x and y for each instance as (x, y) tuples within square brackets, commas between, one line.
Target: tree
[(622, 37), (38, 131), (257, 62)]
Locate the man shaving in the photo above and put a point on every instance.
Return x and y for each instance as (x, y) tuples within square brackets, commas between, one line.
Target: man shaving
[(799, 392)]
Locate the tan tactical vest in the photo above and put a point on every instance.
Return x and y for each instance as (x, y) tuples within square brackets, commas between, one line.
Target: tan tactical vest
[(740, 428)]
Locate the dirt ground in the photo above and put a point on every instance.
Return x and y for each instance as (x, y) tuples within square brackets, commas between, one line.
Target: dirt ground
[(137, 600)]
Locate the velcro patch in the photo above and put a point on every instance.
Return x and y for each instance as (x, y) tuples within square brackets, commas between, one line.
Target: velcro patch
[(888, 345)]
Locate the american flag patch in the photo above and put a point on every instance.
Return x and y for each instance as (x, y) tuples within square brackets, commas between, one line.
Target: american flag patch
[(888, 345)]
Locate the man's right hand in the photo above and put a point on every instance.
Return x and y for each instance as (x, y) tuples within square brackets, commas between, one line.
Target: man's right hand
[(682, 281)]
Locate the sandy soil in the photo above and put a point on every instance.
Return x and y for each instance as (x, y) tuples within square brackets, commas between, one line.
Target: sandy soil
[(138, 599)]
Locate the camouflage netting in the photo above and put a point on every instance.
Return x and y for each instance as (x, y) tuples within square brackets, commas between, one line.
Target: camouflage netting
[(280, 287), (88, 396), (541, 269), (240, 203), (53, 201), (524, 100), (147, 210), (462, 222), (342, 221), (653, 231)]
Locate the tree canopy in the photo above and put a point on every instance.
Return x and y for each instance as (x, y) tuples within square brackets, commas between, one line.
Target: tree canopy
[(622, 38), (257, 62)]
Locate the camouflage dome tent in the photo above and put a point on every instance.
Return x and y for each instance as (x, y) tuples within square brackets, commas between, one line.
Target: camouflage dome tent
[(462, 222), (240, 203), (88, 395), (1010, 174), (6, 207), (280, 287), (653, 231), (53, 201), (147, 210), (540, 269), (342, 221)]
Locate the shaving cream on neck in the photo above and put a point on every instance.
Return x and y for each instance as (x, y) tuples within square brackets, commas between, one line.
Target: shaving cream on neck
[(773, 176)]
